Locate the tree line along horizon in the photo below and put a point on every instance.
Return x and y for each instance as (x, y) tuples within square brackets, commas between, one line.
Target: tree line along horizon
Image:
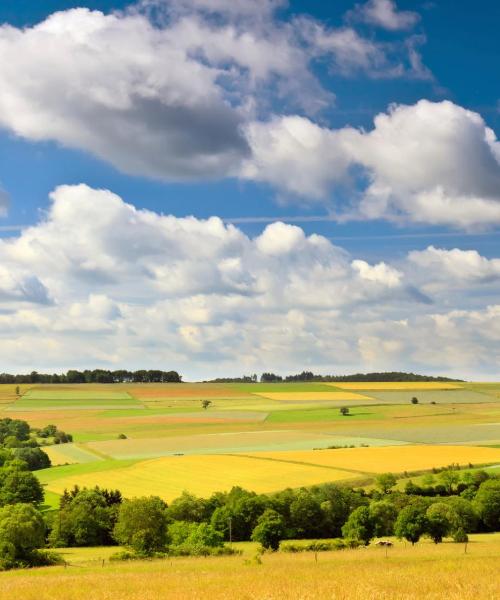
[(449, 503), (74, 376)]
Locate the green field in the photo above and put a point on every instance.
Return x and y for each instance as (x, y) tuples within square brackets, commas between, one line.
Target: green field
[(69, 399)]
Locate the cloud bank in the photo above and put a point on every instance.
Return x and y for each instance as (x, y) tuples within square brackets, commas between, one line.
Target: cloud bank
[(98, 281)]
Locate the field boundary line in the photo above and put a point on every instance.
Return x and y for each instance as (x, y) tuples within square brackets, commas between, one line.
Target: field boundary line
[(302, 463), (101, 455)]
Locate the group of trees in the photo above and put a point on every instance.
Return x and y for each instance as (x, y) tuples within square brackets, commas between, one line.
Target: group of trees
[(16, 435), (95, 376), (306, 376), (445, 506)]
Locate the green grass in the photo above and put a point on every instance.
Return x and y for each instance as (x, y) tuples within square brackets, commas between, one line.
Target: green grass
[(54, 473), (51, 501), (320, 414)]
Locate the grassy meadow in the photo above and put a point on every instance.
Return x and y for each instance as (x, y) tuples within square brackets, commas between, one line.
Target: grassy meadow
[(158, 439), (423, 571)]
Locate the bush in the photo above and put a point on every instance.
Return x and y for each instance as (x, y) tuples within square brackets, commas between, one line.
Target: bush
[(319, 546)]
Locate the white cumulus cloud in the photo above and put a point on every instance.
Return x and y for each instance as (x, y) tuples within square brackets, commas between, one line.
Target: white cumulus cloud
[(98, 281)]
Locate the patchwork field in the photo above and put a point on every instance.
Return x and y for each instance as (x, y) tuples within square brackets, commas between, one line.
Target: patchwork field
[(265, 471), (264, 436)]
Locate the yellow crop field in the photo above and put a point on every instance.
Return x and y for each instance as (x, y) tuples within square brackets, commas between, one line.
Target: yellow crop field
[(168, 477), (394, 459), (318, 396), (396, 385)]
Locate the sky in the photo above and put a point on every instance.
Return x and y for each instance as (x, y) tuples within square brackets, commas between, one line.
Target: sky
[(225, 187)]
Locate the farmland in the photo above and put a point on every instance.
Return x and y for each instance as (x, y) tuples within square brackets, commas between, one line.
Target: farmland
[(425, 571), (170, 443)]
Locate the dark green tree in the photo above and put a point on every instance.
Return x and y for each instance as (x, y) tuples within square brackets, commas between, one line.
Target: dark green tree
[(22, 531), (383, 514), (269, 530), (439, 521), (86, 519), (18, 485), (411, 523), (360, 525), (142, 525), (487, 503)]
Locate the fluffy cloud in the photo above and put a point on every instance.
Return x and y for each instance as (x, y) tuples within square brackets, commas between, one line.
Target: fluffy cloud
[(455, 267), (121, 89), (165, 89), (430, 162), (114, 285), (384, 13)]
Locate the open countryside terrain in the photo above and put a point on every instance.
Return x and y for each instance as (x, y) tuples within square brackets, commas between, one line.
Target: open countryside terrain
[(158, 439), (425, 571)]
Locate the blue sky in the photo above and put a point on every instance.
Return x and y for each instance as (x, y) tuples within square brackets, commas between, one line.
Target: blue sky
[(278, 130)]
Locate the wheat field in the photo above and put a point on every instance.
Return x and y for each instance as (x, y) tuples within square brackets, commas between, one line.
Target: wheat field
[(389, 458), (425, 571), (202, 475)]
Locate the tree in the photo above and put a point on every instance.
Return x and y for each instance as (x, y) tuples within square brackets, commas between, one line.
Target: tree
[(487, 503), (449, 478), (385, 481), (411, 523), (306, 515), (142, 525), (383, 515), (414, 400), (439, 521), (344, 411), (35, 458), (206, 403), (269, 530), (85, 519), (463, 514), (18, 485), (22, 531), (188, 507), (360, 525)]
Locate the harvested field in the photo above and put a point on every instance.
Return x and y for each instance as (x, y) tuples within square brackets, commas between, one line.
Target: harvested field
[(312, 396), (396, 385), (75, 394), (459, 396)]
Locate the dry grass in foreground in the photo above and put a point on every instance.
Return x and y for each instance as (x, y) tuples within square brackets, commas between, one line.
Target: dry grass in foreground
[(424, 571)]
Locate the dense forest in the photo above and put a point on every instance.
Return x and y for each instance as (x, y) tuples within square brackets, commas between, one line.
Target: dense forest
[(96, 376), (309, 376)]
